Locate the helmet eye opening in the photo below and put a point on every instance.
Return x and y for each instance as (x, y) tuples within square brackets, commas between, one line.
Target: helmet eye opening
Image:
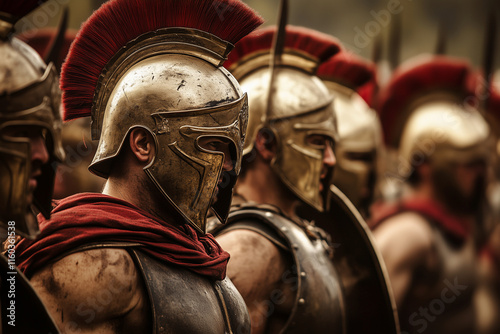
[(218, 145), (319, 141), (26, 133)]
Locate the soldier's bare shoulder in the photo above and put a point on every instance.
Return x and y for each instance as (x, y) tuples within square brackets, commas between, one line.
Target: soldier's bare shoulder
[(407, 228), (252, 256), (406, 238), (91, 289)]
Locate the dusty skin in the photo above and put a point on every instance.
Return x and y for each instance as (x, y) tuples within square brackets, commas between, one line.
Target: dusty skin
[(84, 290)]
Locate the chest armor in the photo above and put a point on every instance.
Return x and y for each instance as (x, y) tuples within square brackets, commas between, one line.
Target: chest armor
[(318, 305), (447, 298), (184, 302)]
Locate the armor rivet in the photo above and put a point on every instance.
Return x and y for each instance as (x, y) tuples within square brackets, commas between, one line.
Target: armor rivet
[(303, 274), (268, 214), (302, 301), (284, 229)]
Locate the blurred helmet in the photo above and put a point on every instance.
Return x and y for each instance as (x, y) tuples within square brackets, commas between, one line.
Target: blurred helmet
[(72, 175), (29, 98), (426, 112), (290, 101), (359, 147), (165, 75)]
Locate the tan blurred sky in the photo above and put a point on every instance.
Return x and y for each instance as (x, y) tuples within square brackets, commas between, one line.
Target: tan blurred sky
[(355, 22)]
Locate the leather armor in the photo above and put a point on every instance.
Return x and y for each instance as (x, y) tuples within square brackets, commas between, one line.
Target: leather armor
[(184, 302), (318, 304)]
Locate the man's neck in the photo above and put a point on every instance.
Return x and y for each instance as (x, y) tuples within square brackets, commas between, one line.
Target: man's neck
[(261, 185), (116, 188), (128, 191)]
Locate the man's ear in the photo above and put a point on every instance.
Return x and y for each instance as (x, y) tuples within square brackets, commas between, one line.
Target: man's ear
[(265, 144), (142, 145)]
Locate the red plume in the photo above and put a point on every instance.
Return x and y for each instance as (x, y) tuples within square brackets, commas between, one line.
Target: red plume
[(318, 45), (119, 21), (347, 69), (419, 77), (19, 8)]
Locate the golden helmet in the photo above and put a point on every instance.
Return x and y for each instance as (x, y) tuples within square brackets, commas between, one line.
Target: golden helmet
[(289, 100), (164, 73), (428, 114), (29, 99), (352, 81)]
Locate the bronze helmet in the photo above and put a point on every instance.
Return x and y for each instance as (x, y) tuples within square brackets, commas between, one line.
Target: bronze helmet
[(29, 98), (166, 76), (427, 114), (352, 81), (289, 100)]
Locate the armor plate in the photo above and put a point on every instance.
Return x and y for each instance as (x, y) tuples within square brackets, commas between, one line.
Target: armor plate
[(184, 302), (319, 305)]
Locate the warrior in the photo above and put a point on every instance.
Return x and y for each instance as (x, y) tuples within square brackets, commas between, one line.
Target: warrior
[(281, 262), (72, 175), (288, 161), (487, 298), (30, 149), (170, 121), (427, 238), (352, 81)]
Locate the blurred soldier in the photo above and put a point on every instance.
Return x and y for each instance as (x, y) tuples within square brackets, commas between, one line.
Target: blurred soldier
[(72, 176), (170, 123), (358, 150), (487, 298), (30, 149), (427, 237)]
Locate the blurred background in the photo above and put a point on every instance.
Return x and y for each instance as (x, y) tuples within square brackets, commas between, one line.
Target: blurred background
[(357, 23)]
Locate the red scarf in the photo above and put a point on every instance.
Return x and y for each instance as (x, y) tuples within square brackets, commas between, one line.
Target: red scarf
[(457, 227), (89, 218)]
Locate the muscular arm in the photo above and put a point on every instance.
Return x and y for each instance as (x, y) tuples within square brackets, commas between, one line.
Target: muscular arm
[(256, 268), (95, 291), (405, 242)]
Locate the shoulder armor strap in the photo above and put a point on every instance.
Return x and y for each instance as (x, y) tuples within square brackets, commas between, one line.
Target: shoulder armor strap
[(258, 220), (318, 305)]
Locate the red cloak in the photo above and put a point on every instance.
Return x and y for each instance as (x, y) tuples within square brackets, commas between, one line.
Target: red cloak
[(90, 218), (453, 225)]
